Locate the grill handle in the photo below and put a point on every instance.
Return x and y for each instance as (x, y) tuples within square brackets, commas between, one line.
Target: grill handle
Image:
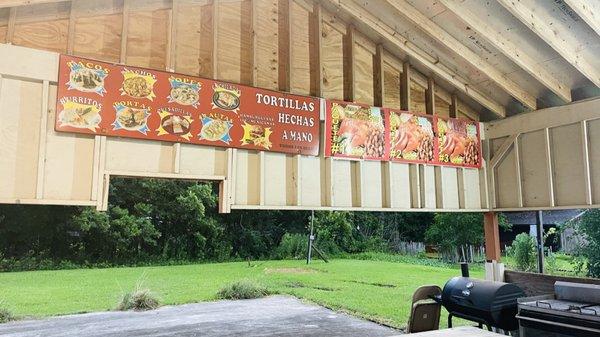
[(564, 325)]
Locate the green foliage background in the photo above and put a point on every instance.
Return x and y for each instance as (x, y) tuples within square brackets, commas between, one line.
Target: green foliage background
[(153, 221)]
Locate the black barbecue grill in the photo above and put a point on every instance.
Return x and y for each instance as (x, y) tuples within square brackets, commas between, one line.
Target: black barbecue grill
[(493, 304)]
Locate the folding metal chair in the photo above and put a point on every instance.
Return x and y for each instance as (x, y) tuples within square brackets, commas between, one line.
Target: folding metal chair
[(425, 312)]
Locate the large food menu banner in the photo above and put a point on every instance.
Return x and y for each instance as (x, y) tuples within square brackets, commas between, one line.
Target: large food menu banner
[(359, 131), (114, 100), (356, 131)]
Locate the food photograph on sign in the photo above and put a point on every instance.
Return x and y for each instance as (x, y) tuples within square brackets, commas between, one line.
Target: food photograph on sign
[(411, 137), (356, 131), (458, 142)]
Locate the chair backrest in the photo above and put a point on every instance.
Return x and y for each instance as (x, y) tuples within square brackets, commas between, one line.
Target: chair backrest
[(424, 312), (425, 292)]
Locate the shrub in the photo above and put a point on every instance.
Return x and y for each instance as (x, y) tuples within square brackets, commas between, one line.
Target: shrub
[(292, 246), (5, 314), (241, 290), (139, 299), (524, 252)]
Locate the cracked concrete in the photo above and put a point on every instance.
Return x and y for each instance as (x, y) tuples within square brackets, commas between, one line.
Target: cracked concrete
[(271, 316)]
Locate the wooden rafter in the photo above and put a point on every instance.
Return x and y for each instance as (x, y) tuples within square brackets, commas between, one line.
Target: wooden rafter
[(589, 11), (15, 3), (390, 35), (410, 13), (553, 38), (510, 49)]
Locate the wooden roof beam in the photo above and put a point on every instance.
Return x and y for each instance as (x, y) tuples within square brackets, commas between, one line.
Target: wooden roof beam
[(410, 13), (552, 37), (589, 11), (510, 49), (16, 3), (391, 36)]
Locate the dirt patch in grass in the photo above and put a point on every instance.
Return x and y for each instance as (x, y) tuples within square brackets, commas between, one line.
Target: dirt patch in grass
[(376, 284), (296, 284), (291, 270)]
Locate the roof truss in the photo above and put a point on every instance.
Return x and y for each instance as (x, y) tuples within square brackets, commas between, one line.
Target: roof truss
[(391, 36), (440, 35), (509, 49), (589, 11), (552, 37)]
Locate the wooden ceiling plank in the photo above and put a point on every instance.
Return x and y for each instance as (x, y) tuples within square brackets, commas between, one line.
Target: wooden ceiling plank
[(510, 50), (552, 37), (432, 29), (16, 3), (391, 36), (588, 11)]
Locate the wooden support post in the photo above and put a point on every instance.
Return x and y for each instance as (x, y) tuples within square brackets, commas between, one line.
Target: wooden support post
[(430, 97), (454, 107), (378, 85), (349, 82), (540, 240), (405, 87), (10, 31), (284, 56), (492, 236), (316, 28)]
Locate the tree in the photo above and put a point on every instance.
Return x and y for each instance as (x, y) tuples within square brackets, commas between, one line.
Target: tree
[(524, 251), (589, 227), (452, 231)]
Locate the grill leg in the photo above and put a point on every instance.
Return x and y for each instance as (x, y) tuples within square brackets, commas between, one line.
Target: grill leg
[(449, 321)]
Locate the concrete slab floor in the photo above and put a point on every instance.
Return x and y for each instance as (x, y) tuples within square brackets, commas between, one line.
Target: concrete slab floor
[(271, 316)]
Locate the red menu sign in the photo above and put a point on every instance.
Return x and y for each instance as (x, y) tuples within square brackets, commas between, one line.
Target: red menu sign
[(358, 131), (113, 100)]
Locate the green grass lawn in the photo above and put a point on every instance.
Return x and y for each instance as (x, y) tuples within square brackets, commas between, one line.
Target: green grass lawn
[(380, 291)]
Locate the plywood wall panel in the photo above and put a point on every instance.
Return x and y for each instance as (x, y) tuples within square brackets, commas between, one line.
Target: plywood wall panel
[(371, 184), (567, 154), (594, 146), (310, 181), (20, 112), (400, 194), (247, 178), (69, 161), (428, 182), (391, 86), (203, 160), (506, 182), (4, 14), (471, 189), (137, 155), (534, 170), (449, 187), (234, 41), (417, 98), (147, 38), (47, 35), (442, 107), (193, 41), (275, 183), (98, 37), (333, 62), (300, 49), (363, 77), (341, 181), (267, 44)]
